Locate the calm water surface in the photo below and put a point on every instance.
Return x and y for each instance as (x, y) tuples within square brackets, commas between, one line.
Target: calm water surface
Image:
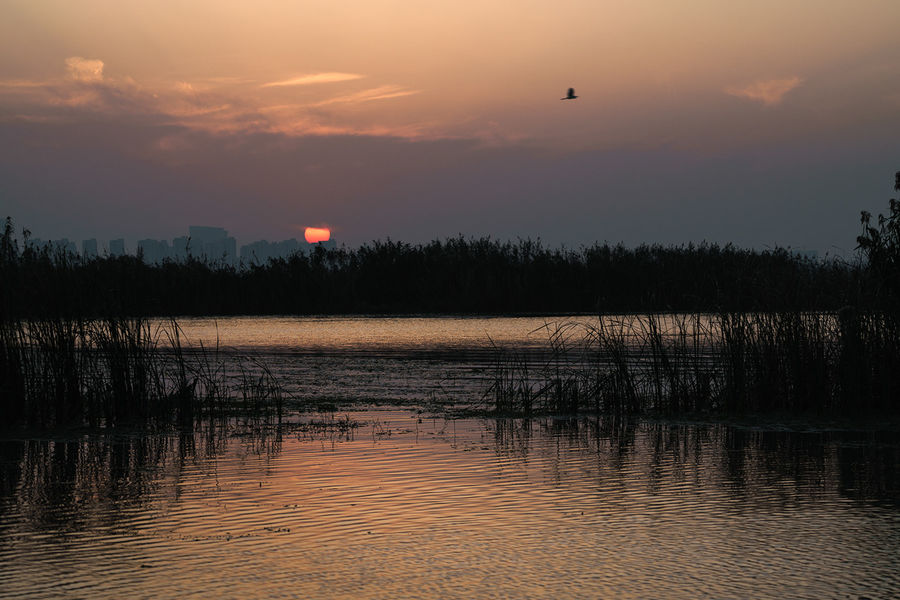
[(396, 504), (373, 334), (406, 506), (379, 359)]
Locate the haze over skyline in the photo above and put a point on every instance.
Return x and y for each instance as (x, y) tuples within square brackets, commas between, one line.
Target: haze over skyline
[(763, 124)]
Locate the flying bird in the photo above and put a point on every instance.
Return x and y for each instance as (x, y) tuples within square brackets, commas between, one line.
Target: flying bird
[(571, 95)]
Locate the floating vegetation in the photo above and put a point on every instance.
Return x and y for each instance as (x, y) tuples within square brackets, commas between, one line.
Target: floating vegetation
[(343, 425)]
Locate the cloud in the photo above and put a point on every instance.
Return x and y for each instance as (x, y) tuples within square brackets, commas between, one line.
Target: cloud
[(770, 92), (21, 83), (314, 78), (84, 69), (219, 107), (379, 93)]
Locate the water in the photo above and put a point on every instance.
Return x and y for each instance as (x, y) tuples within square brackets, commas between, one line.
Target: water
[(380, 359), (406, 506), (371, 334), (398, 504)]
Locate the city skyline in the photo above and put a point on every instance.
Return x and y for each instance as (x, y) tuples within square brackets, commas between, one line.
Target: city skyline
[(257, 252), (208, 243)]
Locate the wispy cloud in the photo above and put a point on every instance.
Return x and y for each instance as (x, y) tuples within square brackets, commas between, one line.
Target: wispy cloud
[(770, 91), (22, 83), (314, 78), (84, 69), (199, 105), (378, 93)]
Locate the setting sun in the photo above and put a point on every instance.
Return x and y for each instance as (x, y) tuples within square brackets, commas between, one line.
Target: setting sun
[(317, 234)]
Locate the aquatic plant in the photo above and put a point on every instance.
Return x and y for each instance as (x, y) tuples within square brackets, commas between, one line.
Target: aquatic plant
[(73, 356), (770, 357), (845, 362), (72, 370)]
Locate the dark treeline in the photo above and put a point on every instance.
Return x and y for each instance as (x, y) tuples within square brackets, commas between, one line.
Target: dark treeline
[(453, 276)]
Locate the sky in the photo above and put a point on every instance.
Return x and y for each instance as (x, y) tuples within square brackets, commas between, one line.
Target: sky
[(761, 124)]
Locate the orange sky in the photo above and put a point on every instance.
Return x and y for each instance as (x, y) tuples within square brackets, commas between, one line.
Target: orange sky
[(700, 76), (488, 69)]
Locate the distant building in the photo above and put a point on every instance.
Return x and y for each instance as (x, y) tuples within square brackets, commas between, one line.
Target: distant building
[(63, 246), (289, 247), (154, 251), (222, 251), (256, 253), (89, 248), (212, 244), (117, 247), (180, 248), (261, 252)]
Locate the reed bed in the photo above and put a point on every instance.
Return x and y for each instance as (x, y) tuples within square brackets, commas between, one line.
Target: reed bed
[(456, 275), (108, 371), (845, 362)]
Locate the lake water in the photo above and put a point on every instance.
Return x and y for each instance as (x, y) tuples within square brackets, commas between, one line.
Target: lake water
[(394, 503), (380, 359)]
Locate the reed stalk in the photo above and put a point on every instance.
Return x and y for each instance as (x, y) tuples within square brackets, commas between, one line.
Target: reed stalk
[(75, 370), (845, 362)]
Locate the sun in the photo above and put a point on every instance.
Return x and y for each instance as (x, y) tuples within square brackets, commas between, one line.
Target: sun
[(317, 234)]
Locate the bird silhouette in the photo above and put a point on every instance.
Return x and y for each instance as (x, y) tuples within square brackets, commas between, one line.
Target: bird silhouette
[(571, 95)]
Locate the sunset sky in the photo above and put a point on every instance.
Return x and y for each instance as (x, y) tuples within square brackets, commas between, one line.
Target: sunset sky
[(764, 123)]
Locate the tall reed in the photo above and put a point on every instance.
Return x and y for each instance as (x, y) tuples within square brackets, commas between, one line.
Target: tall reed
[(845, 362), (74, 370)]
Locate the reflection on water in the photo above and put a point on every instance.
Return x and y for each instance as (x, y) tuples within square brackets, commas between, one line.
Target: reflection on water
[(378, 359), (369, 334), (389, 504)]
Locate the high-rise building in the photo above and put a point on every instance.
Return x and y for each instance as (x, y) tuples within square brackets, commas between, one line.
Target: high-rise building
[(117, 247), (154, 251), (89, 248), (256, 253), (262, 251), (212, 244), (180, 248), (63, 246), (206, 235)]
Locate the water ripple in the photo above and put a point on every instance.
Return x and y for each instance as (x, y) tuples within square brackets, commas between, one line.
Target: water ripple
[(427, 508)]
